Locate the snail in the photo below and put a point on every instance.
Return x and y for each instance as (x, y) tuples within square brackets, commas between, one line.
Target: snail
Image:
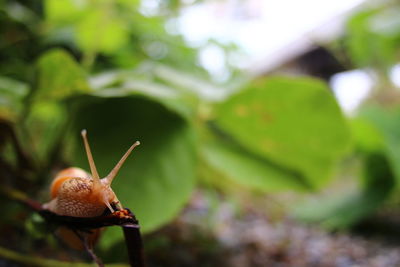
[(76, 193)]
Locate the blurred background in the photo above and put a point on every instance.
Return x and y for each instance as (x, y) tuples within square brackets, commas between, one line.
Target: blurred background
[(270, 130)]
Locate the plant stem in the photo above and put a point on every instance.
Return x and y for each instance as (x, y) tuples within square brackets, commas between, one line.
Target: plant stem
[(36, 261), (20, 197)]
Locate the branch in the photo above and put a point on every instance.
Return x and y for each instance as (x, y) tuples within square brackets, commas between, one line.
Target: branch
[(120, 218)]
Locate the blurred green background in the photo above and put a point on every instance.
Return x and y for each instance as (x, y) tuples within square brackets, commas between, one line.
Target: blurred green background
[(107, 67)]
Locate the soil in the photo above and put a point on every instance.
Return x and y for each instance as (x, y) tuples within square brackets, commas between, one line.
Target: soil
[(219, 235)]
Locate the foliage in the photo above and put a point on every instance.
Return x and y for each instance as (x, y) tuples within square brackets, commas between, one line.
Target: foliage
[(106, 67), (373, 37), (372, 40), (293, 122)]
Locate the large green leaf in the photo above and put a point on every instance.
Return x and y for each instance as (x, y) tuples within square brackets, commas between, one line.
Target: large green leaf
[(59, 76), (159, 177), (295, 122), (250, 170)]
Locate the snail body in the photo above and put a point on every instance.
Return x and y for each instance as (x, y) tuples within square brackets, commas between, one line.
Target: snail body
[(76, 193)]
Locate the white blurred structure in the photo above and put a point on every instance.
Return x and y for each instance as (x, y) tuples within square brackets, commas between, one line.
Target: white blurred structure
[(395, 75), (351, 88), (271, 32)]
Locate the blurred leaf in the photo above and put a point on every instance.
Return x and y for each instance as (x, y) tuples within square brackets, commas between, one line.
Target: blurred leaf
[(337, 212), (373, 38), (36, 226), (120, 83), (371, 131), (127, 83), (294, 122), (101, 31), (189, 83), (14, 88), (12, 93), (366, 136), (387, 121), (46, 123), (59, 76), (250, 170), (159, 177), (357, 35), (22, 14), (63, 11)]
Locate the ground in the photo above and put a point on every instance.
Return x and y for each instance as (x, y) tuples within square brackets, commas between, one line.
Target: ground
[(229, 237)]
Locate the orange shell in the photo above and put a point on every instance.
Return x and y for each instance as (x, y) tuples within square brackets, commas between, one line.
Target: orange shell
[(64, 175)]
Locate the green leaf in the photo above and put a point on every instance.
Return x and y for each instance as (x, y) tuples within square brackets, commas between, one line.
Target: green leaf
[(366, 136), (338, 212), (373, 37), (59, 76), (386, 121), (189, 83), (128, 83), (294, 122), (46, 120), (63, 11), (12, 94), (101, 31), (250, 170), (370, 131), (13, 88), (159, 177)]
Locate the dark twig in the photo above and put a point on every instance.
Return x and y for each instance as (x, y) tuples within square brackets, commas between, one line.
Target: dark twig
[(134, 244), (120, 218)]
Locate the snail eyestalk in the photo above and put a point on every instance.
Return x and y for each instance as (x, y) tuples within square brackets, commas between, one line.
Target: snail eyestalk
[(109, 178), (93, 169)]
